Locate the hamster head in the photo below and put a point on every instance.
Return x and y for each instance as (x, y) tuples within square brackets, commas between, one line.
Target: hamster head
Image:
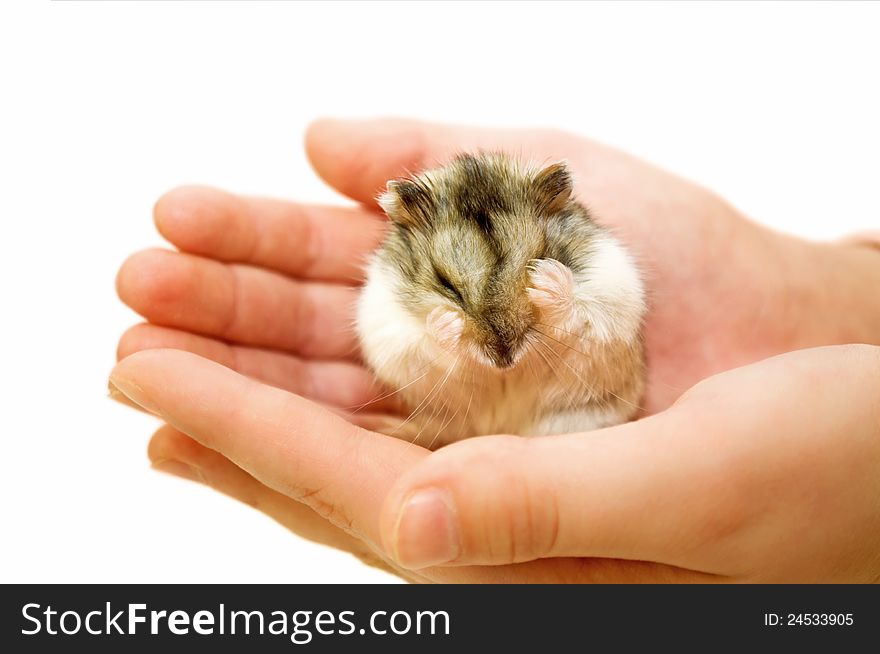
[(463, 239)]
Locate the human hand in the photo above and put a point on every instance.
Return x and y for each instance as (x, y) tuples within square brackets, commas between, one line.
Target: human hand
[(763, 473), (267, 287)]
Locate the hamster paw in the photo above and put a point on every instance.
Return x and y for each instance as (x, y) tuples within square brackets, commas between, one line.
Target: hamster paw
[(445, 326), (552, 287)]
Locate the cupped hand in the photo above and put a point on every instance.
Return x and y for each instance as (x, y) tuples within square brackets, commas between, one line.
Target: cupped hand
[(763, 473), (266, 288)]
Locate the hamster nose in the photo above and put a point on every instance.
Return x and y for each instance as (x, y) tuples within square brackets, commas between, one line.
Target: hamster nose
[(502, 357), (502, 342), (502, 351)]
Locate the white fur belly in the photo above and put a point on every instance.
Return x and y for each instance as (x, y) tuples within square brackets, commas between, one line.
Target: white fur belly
[(460, 399)]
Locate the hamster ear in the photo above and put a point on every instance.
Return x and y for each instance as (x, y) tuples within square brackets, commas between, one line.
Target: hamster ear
[(389, 201), (553, 187), (407, 202)]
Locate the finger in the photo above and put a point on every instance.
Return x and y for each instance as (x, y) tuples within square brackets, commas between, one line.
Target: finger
[(288, 443), (240, 303), (338, 383), (326, 243), (358, 157)]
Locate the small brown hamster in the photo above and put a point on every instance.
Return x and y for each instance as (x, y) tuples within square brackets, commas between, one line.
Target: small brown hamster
[(497, 305)]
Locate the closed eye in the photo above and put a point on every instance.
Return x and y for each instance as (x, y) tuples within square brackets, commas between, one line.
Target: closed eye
[(448, 287)]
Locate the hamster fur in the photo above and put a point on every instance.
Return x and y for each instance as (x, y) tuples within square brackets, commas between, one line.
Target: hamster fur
[(496, 305)]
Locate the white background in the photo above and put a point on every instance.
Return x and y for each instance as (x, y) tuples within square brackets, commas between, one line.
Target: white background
[(105, 106)]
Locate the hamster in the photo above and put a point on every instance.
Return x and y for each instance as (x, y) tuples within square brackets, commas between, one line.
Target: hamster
[(497, 305)]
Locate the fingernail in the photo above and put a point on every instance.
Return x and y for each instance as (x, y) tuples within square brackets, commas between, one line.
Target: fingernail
[(178, 469), (132, 391), (427, 533)]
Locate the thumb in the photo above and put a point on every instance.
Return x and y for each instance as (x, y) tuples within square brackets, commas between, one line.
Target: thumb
[(357, 157), (689, 487), (614, 493)]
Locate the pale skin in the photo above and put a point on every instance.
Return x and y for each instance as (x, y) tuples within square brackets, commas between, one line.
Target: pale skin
[(765, 472)]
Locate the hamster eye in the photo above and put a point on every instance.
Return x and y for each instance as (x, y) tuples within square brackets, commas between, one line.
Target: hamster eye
[(448, 286)]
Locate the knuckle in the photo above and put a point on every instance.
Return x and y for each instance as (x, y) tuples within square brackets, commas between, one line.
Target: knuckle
[(510, 515), (325, 500), (317, 499), (530, 524)]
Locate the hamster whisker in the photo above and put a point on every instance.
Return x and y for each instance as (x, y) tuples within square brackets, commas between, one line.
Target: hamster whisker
[(591, 389), (435, 407), (427, 399), (559, 357), (470, 399), (358, 407), (531, 369), (444, 425), (559, 329), (539, 346), (673, 387), (570, 392), (438, 404), (563, 343)]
